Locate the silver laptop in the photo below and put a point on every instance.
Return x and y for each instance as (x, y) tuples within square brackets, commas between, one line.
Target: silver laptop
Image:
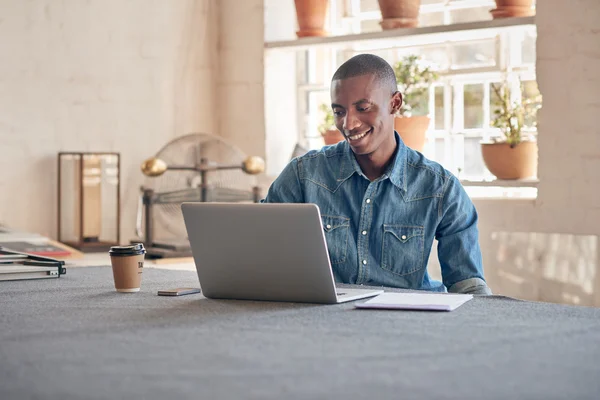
[(273, 252)]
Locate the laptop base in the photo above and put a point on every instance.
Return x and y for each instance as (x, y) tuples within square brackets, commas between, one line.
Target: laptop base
[(345, 295)]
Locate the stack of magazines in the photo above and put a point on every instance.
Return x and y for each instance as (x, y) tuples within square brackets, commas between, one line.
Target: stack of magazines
[(16, 265)]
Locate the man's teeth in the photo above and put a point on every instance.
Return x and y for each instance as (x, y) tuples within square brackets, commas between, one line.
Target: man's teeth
[(359, 136)]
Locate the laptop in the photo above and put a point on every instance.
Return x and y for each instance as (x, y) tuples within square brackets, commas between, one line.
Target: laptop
[(273, 252)]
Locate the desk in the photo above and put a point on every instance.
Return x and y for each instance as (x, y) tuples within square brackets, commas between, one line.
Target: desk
[(75, 337)]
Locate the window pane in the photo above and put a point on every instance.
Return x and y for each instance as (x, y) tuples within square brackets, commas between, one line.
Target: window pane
[(530, 90), (437, 56), (319, 66), (474, 166), (472, 55), (431, 19), (473, 104), (369, 5), (494, 101), (469, 15), (390, 55), (439, 107), (315, 117), (420, 105), (528, 48), (440, 150), (532, 99)]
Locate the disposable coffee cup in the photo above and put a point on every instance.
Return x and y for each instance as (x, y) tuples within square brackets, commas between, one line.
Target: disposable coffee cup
[(127, 266)]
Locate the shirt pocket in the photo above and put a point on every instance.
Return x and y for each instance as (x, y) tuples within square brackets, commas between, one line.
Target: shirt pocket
[(337, 230), (403, 247)]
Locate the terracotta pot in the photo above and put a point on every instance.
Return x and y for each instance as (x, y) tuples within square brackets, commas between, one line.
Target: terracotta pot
[(311, 17), (332, 136), (512, 8), (504, 162), (412, 131), (399, 13)]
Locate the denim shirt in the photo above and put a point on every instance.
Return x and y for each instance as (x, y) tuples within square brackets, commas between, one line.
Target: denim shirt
[(380, 233)]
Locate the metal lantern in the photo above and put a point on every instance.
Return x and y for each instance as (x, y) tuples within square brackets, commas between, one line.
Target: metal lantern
[(89, 200)]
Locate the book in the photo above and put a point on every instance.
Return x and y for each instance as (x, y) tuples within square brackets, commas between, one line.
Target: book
[(416, 301)]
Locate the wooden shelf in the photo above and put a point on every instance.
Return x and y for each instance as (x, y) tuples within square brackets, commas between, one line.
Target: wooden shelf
[(410, 36)]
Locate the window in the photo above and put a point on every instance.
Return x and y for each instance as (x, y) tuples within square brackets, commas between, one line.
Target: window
[(460, 102)]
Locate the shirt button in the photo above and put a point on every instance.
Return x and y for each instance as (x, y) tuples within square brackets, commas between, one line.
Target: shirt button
[(328, 226), (364, 232), (364, 262), (368, 201), (403, 237)]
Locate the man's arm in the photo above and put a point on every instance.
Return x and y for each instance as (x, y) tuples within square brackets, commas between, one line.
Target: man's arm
[(458, 242), (286, 188)]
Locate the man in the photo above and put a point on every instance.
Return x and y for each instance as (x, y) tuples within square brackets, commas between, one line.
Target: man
[(383, 203)]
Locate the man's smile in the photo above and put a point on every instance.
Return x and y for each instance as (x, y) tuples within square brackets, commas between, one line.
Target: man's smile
[(359, 136)]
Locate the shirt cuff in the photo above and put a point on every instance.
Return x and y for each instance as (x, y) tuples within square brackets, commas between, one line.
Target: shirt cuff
[(471, 286)]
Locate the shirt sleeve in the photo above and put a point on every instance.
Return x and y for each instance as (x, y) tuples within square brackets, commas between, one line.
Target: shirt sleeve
[(286, 188), (458, 242)]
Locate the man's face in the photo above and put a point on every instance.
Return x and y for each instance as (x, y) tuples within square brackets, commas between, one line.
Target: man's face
[(364, 112)]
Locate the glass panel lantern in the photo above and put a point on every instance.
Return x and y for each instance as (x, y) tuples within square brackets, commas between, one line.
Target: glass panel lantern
[(88, 200)]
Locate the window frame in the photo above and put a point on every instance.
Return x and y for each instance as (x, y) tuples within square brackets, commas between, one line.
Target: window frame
[(508, 56)]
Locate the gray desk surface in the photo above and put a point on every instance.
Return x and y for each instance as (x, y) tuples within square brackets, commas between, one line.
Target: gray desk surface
[(75, 338)]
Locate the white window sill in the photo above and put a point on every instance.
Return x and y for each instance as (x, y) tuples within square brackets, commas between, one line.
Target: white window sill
[(527, 183), (525, 189)]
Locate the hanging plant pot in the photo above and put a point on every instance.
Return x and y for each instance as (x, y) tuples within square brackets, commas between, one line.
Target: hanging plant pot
[(512, 8), (332, 136), (412, 131), (507, 162), (311, 17), (399, 13)]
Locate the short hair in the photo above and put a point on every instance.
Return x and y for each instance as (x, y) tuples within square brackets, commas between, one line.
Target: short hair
[(364, 64)]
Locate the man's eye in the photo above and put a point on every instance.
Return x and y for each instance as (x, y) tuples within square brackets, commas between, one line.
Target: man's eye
[(363, 109), (338, 113)]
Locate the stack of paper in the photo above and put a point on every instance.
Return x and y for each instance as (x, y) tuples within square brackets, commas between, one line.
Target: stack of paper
[(417, 301)]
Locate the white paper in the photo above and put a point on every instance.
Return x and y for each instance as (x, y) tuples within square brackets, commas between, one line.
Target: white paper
[(417, 301)]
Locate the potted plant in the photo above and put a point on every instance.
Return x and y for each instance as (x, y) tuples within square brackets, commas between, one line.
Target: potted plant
[(399, 13), (512, 8), (412, 120), (330, 134), (311, 17), (514, 156)]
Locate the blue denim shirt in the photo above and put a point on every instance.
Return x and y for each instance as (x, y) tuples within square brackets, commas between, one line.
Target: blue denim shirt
[(381, 232)]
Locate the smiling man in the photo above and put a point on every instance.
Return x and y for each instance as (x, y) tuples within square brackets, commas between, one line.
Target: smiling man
[(382, 203)]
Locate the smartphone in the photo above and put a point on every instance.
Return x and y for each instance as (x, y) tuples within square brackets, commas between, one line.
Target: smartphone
[(178, 291)]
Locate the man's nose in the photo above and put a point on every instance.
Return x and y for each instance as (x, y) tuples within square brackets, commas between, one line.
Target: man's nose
[(350, 121)]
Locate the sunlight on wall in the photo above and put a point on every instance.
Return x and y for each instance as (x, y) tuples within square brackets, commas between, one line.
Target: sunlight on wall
[(554, 267)]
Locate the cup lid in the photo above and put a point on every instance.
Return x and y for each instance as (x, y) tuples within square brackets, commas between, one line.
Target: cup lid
[(134, 249)]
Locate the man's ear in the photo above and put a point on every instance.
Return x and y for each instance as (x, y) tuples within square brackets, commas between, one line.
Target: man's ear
[(395, 102)]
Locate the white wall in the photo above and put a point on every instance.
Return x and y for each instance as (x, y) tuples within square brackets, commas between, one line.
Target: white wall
[(97, 75), (568, 69), (240, 87)]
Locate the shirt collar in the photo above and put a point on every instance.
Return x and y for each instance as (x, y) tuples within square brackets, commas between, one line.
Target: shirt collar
[(396, 171)]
